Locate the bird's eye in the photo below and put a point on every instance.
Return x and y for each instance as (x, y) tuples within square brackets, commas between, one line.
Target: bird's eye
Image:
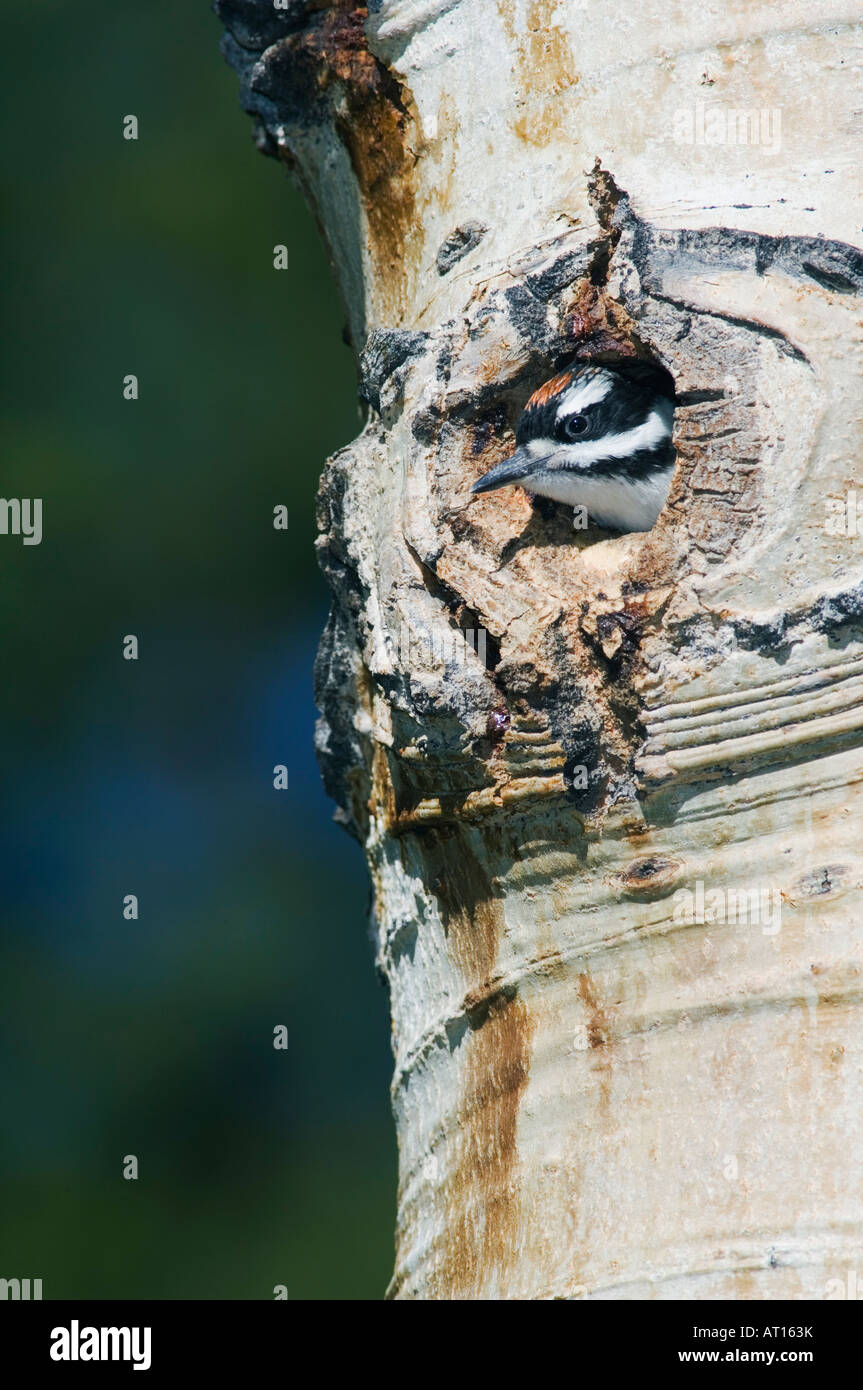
[(575, 425)]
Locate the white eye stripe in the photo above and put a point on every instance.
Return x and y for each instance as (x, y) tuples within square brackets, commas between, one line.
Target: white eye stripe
[(583, 394), (652, 431)]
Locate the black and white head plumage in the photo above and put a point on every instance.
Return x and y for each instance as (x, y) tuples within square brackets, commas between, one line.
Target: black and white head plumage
[(598, 437)]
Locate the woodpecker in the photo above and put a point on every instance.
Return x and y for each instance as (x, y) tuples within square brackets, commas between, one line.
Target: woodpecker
[(597, 437)]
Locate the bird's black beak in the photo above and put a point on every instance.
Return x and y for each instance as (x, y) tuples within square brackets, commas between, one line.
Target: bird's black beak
[(512, 470)]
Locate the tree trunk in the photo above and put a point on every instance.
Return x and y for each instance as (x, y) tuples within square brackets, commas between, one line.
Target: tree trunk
[(614, 836)]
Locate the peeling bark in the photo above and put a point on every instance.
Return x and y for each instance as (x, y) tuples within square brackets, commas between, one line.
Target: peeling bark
[(595, 1097)]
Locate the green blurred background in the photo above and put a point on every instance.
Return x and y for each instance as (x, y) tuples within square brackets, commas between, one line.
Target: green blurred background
[(154, 777)]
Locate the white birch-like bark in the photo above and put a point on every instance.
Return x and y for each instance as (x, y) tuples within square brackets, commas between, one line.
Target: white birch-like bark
[(610, 1081)]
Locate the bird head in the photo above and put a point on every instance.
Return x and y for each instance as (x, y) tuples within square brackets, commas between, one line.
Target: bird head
[(592, 432)]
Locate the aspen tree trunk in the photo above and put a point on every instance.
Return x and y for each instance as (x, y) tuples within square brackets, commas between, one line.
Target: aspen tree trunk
[(616, 855)]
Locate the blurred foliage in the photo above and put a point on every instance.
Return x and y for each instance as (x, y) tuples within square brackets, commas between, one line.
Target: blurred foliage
[(154, 777)]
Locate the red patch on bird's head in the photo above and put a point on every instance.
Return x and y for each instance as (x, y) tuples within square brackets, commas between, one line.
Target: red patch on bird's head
[(550, 389)]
